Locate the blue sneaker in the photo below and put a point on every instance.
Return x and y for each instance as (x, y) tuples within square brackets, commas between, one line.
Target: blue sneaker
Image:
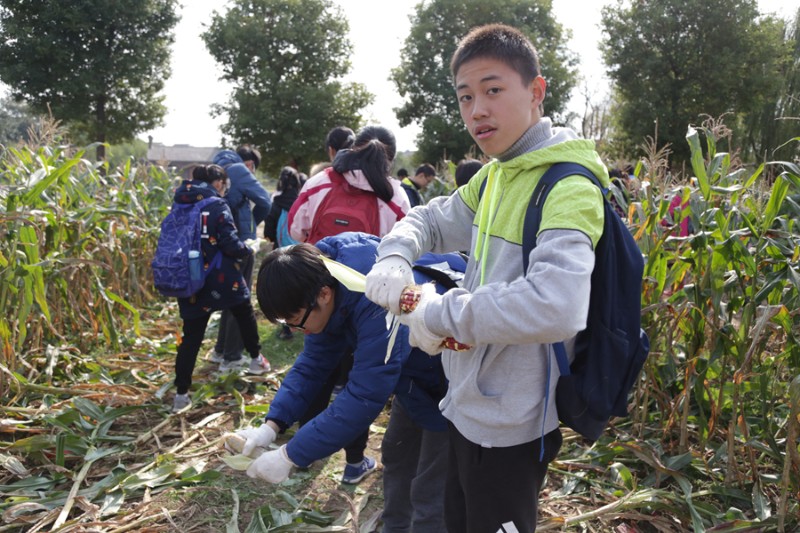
[(355, 473)]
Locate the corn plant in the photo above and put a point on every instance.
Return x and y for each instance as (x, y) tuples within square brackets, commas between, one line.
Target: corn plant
[(75, 246), (720, 308)]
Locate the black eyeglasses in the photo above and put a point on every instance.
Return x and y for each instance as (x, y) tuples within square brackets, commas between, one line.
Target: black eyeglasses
[(302, 324)]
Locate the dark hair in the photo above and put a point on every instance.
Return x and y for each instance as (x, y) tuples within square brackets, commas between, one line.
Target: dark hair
[(249, 153), (339, 138), (426, 169), (501, 42), (466, 169), (209, 173), (289, 180), (402, 173), (373, 153), (289, 279)]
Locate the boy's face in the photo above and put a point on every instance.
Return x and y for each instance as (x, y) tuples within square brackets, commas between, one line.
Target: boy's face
[(495, 105), (312, 319)]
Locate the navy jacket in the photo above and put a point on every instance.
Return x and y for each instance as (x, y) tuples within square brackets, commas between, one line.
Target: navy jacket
[(359, 325), (245, 188), (225, 286)]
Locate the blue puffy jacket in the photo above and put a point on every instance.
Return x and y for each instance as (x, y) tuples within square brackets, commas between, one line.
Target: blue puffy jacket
[(422, 383), (224, 286), (359, 325), (245, 188)]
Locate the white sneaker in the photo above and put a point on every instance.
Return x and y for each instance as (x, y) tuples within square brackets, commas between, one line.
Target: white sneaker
[(181, 402), (232, 366), (216, 357), (259, 366)]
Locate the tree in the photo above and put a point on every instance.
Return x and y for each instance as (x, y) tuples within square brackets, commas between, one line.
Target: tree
[(778, 120), (423, 77), (675, 60), (284, 59), (15, 119), (98, 66)]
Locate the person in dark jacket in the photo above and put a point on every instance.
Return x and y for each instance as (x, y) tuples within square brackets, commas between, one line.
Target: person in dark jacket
[(244, 189), (295, 285), (276, 226), (413, 185), (224, 288), (286, 193)]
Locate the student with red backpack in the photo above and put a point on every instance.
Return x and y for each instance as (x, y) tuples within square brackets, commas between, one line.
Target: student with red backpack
[(357, 193)]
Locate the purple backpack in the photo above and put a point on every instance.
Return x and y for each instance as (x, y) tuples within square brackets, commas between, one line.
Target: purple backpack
[(178, 268)]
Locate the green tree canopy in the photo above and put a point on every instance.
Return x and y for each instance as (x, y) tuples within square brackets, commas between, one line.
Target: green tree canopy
[(285, 59), (779, 117), (423, 77), (97, 65), (673, 61), (15, 119)]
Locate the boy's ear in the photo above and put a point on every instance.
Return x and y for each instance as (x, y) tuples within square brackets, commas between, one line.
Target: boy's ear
[(538, 88), (326, 294)]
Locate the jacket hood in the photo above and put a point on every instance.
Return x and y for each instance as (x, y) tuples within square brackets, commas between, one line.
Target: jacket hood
[(575, 151), (225, 158), (354, 249), (191, 192), (358, 179)]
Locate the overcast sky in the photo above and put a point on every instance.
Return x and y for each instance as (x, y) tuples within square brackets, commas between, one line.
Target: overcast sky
[(377, 30)]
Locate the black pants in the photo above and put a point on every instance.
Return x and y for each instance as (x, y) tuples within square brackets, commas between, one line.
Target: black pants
[(354, 452), (229, 339), (194, 329), (491, 490)]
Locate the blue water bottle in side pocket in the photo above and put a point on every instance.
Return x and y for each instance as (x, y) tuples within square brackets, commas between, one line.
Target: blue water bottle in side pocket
[(195, 265)]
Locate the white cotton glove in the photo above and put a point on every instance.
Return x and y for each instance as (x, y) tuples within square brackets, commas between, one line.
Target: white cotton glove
[(419, 335), (273, 466), (386, 281), (260, 437)]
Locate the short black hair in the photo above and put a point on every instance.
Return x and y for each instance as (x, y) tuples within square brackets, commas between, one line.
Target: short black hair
[(339, 138), (426, 169), (289, 179), (402, 173), (466, 169), (290, 279), (249, 153), (501, 42)]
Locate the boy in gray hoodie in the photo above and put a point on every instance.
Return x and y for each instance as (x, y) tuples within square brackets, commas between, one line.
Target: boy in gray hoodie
[(500, 404)]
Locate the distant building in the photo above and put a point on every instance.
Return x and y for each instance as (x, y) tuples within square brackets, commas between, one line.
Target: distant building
[(182, 157)]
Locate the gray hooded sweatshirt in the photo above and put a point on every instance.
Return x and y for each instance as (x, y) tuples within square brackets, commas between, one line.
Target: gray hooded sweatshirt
[(498, 388)]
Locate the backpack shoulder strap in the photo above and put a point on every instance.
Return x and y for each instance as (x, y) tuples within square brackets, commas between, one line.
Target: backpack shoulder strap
[(533, 219), (533, 215)]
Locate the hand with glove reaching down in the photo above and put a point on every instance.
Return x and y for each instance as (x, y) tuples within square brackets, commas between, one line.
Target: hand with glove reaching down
[(257, 437), (273, 466)]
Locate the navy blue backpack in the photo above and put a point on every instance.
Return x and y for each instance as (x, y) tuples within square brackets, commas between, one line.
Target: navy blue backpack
[(611, 351), (179, 245)]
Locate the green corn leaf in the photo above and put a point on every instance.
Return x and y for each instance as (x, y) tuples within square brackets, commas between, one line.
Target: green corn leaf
[(116, 298), (238, 462), (352, 279), (779, 191)]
